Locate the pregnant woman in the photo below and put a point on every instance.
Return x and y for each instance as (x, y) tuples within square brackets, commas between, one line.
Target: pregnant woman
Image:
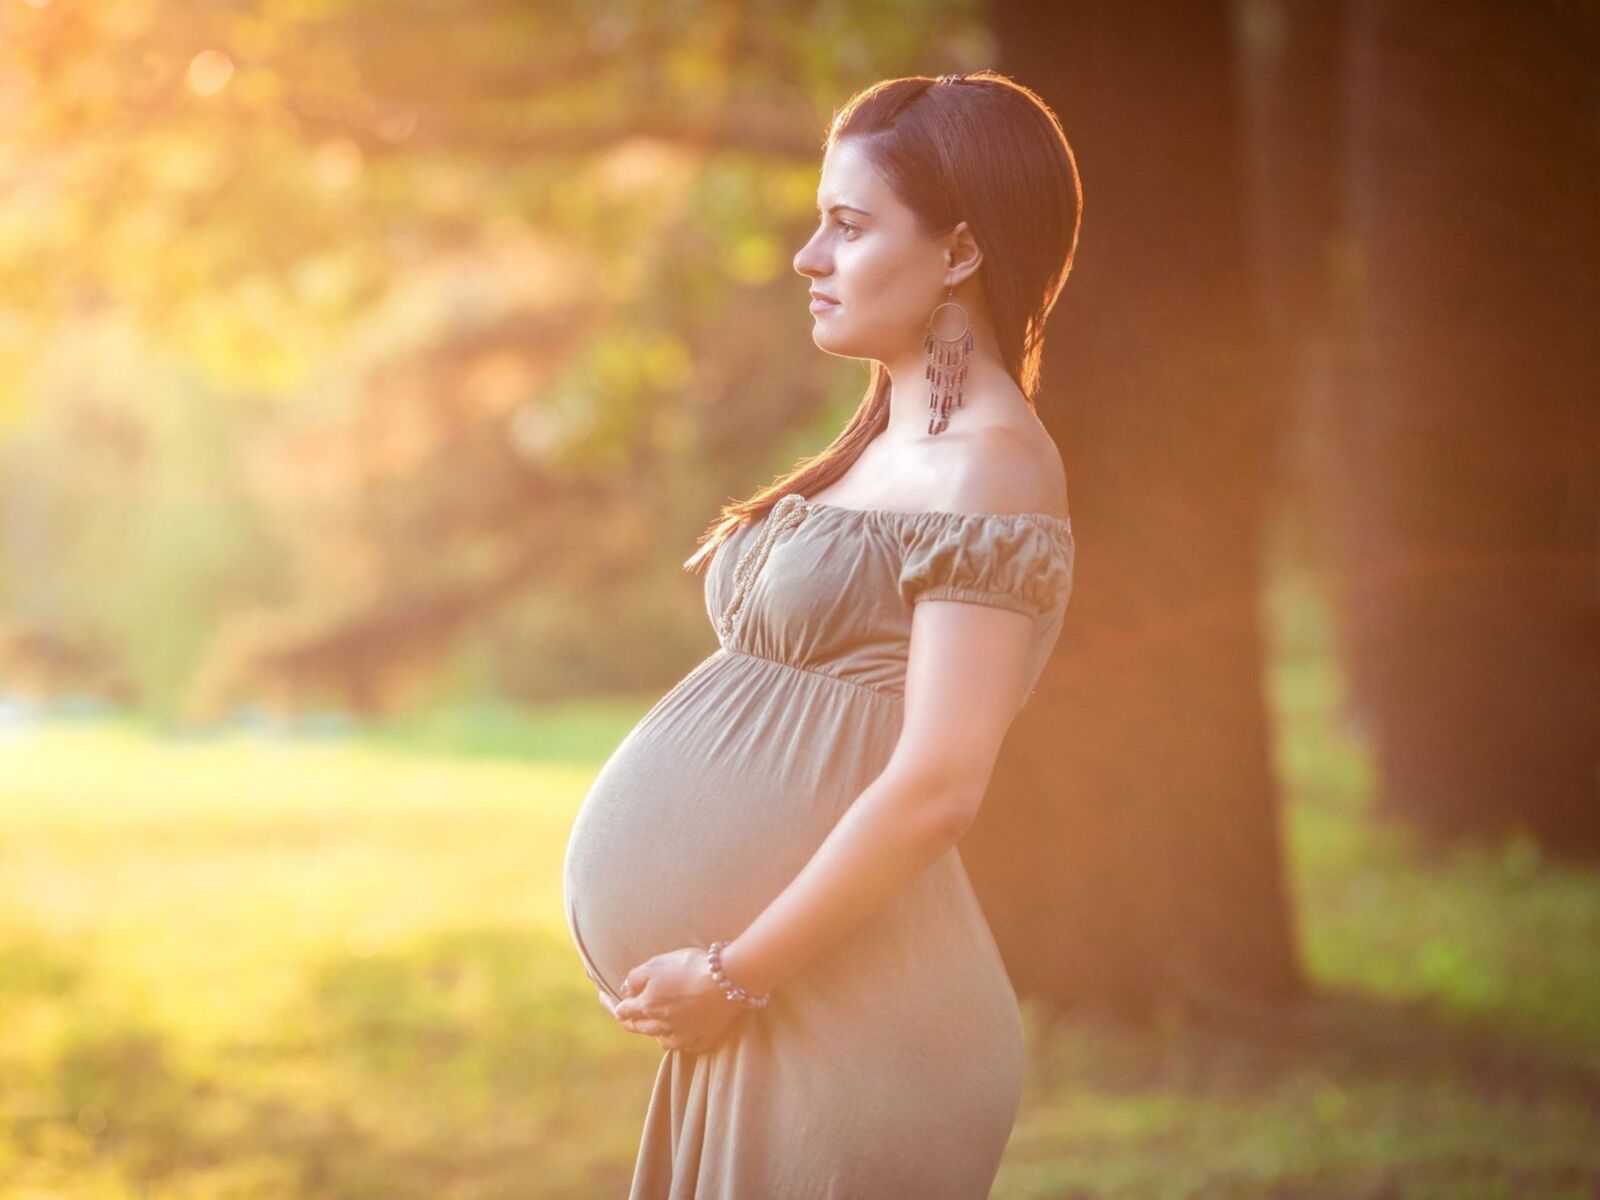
[(764, 875)]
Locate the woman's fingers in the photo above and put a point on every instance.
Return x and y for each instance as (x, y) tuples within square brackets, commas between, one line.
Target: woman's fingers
[(627, 1014), (631, 1007), (647, 1025)]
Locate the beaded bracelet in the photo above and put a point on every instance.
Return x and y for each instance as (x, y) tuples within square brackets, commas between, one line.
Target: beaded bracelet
[(714, 954)]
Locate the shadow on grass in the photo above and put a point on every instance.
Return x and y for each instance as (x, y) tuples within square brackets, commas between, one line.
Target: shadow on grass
[(1353, 1033), (1376, 1100)]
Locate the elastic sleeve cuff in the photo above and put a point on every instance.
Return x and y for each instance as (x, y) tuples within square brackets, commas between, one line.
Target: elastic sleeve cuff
[(1006, 600)]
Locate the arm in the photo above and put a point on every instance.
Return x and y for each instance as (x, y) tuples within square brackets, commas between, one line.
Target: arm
[(964, 674)]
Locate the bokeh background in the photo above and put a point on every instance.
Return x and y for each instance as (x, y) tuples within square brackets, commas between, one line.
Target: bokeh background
[(367, 371)]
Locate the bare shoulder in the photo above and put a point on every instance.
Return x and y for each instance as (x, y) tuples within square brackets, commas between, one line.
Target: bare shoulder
[(1005, 469)]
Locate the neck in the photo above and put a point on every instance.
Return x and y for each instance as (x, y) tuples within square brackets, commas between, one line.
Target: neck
[(987, 393)]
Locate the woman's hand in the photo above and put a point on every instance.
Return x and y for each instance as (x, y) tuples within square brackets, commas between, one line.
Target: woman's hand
[(673, 999)]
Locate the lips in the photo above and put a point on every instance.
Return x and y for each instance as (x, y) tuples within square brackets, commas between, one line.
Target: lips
[(823, 297)]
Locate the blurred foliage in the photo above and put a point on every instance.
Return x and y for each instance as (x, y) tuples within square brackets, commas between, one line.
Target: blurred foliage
[(339, 341)]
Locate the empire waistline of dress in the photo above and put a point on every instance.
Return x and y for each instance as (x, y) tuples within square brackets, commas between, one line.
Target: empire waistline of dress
[(892, 697)]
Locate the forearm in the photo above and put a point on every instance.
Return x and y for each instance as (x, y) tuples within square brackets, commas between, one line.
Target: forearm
[(893, 832)]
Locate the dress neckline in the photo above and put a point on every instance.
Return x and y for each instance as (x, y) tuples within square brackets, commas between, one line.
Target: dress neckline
[(1064, 524)]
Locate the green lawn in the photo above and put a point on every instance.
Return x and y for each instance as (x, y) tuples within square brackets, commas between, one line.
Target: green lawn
[(338, 970)]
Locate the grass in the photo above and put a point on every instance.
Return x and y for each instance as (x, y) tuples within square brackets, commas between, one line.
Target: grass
[(243, 969), (338, 969)]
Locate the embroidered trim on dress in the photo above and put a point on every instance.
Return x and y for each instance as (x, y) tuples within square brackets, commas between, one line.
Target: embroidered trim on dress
[(785, 514)]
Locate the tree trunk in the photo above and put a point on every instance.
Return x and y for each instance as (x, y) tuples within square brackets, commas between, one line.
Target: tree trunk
[(1463, 469), (1130, 851)]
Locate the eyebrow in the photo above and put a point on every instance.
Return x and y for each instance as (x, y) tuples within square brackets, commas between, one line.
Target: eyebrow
[(833, 208)]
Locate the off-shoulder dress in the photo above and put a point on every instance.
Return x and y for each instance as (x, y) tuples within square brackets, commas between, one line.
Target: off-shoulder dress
[(892, 1065)]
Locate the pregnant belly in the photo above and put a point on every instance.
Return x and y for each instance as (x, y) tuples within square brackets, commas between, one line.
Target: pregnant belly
[(713, 803)]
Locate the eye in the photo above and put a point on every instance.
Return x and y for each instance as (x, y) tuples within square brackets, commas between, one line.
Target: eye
[(849, 229)]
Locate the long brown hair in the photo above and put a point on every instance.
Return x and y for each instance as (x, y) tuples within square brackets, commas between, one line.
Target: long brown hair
[(978, 147)]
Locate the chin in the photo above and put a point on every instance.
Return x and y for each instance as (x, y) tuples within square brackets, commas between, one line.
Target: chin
[(835, 341)]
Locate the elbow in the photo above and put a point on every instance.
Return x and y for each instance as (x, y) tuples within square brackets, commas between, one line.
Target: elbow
[(959, 813), (941, 805)]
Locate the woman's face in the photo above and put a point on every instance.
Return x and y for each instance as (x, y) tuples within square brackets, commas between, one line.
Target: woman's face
[(867, 255)]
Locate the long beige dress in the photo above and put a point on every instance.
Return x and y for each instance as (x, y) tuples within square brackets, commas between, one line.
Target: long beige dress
[(892, 1065)]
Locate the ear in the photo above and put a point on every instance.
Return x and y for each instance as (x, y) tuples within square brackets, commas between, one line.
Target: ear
[(962, 257)]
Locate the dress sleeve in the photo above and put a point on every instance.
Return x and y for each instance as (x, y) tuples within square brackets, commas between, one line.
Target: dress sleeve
[(1004, 560)]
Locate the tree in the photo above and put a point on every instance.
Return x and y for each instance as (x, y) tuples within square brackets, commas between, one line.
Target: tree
[(1462, 474), (1130, 851)]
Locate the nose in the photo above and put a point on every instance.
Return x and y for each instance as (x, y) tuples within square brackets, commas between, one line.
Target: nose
[(808, 262)]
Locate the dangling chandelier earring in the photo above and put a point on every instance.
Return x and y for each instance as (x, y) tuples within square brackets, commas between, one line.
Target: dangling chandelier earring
[(947, 362)]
